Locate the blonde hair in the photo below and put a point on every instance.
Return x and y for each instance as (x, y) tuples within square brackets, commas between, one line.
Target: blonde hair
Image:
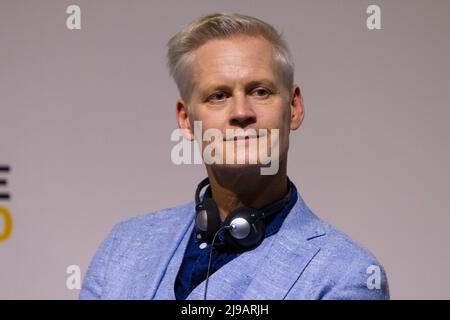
[(181, 47)]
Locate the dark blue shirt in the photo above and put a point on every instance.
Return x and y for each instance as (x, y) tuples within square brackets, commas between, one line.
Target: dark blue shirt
[(194, 266)]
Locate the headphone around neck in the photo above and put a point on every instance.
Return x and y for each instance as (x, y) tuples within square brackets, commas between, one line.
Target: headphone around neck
[(244, 227)]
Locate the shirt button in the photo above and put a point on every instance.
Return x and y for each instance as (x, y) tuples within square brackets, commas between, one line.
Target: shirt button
[(203, 245), (199, 236)]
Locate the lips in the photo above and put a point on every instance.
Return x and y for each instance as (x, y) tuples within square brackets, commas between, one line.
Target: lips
[(244, 136)]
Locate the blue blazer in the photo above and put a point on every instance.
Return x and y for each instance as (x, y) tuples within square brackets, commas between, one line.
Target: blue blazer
[(306, 259)]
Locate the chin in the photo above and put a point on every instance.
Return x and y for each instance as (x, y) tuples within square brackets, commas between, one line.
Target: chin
[(236, 167)]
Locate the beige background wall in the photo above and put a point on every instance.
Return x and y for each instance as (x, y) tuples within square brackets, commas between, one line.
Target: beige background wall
[(86, 117)]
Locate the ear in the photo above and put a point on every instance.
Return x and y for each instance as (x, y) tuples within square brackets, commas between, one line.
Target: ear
[(183, 120), (297, 107)]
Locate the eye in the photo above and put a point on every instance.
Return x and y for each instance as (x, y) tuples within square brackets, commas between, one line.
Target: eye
[(261, 92), (217, 96)]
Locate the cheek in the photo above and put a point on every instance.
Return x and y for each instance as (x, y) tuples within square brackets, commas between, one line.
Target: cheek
[(207, 119), (278, 118), (281, 120), (211, 121)]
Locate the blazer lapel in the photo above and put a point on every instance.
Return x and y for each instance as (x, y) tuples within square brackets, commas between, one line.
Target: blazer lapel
[(232, 279), (171, 248), (289, 255), (165, 290), (282, 267)]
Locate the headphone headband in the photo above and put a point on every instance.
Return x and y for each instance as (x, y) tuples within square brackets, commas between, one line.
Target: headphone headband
[(200, 187), (263, 212)]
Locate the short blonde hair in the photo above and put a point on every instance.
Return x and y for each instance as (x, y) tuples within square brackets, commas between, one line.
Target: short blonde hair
[(219, 26)]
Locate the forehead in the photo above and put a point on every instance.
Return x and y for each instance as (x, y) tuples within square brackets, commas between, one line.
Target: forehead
[(241, 58)]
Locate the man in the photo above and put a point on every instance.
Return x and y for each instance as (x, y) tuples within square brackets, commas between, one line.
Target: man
[(249, 234)]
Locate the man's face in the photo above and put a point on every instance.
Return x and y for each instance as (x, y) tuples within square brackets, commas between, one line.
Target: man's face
[(237, 86)]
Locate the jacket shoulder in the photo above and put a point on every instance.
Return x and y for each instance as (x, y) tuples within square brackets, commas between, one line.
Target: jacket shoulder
[(348, 270), (126, 246), (339, 244), (157, 221)]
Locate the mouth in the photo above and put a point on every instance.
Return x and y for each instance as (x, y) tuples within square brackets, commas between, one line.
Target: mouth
[(236, 138), (244, 136)]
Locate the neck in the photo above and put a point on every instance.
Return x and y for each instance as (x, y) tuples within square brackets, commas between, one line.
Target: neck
[(233, 188)]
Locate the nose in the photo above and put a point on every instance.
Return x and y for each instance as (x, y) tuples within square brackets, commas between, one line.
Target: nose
[(242, 113)]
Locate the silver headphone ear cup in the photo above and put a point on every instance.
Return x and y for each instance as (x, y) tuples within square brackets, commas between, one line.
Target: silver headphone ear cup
[(207, 218), (201, 220), (240, 228), (247, 232)]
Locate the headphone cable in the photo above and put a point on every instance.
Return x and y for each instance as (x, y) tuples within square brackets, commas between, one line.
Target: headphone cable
[(210, 256)]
